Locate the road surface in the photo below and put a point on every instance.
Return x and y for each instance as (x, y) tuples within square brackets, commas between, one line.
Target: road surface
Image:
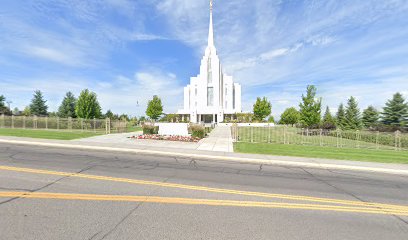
[(49, 193)]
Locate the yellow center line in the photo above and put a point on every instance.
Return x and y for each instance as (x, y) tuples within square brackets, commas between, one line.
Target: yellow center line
[(210, 189), (192, 201)]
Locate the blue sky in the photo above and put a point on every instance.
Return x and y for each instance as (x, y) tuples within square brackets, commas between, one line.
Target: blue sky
[(128, 50)]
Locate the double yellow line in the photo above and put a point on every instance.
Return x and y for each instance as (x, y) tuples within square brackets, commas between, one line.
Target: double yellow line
[(351, 206), (192, 201)]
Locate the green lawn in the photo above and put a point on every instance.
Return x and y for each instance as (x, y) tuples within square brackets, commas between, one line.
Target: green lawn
[(134, 129), (46, 134), (368, 155)]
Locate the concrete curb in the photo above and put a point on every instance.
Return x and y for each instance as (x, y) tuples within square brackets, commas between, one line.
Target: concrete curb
[(214, 158)]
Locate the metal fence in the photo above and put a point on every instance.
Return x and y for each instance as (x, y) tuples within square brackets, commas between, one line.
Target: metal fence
[(102, 126), (321, 137)]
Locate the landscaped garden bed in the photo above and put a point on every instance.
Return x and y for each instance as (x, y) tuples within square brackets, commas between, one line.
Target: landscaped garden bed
[(167, 138)]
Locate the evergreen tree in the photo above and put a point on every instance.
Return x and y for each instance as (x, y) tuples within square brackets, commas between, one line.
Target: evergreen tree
[(395, 112), (262, 108), (352, 117), (87, 105), (310, 108), (67, 107), (329, 122), (341, 117), (109, 114), (290, 116), (38, 104), (370, 117), (271, 119), (3, 108), (154, 108)]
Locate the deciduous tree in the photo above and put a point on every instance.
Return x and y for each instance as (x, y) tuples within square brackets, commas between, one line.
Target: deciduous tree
[(290, 116), (262, 108), (154, 108), (87, 105)]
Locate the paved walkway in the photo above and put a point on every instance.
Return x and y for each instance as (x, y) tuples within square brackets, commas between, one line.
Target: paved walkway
[(219, 140)]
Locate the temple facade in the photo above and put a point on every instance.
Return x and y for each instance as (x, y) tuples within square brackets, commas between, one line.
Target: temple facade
[(212, 95)]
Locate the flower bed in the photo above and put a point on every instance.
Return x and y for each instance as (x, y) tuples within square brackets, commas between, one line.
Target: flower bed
[(167, 138)]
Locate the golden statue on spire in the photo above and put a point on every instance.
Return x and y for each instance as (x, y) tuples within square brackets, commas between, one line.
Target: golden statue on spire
[(211, 5)]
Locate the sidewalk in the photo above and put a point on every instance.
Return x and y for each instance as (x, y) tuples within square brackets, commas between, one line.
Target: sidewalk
[(200, 155), (219, 140)]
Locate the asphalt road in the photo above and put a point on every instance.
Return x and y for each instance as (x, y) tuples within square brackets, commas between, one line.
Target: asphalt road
[(48, 193)]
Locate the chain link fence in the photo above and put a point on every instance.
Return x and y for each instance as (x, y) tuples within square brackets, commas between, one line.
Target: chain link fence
[(101, 126), (321, 137)]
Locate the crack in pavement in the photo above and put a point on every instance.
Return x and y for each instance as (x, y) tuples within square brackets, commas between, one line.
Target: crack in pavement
[(354, 196)]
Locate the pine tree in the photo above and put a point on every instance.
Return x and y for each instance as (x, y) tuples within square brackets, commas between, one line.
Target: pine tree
[(109, 114), (154, 108), (38, 104), (262, 108), (87, 105), (341, 117), (370, 117), (352, 116), (67, 107), (329, 122), (290, 116), (395, 113), (310, 108), (3, 108)]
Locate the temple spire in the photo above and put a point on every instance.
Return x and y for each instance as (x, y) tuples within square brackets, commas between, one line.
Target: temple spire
[(211, 30)]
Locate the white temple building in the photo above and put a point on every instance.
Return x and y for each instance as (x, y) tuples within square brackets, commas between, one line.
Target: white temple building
[(212, 95)]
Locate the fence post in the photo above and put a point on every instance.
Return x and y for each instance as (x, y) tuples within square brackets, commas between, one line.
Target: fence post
[(46, 122), (269, 133), (24, 122), (2, 120), (252, 134), (377, 136), (358, 139), (284, 134), (94, 124), (35, 122), (320, 138), (70, 123), (337, 138), (397, 140), (12, 121), (58, 123), (82, 124)]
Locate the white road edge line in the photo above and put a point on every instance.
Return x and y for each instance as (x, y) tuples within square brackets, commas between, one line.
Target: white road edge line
[(215, 158)]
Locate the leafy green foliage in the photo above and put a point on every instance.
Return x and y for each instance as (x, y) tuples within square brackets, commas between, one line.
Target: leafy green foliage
[(271, 119), (154, 108), (395, 112), (310, 108), (38, 104), (262, 108), (370, 117), (197, 131), (67, 107), (27, 111), (87, 106), (150, 129), (245, 117), (290, 116), (352, 116)]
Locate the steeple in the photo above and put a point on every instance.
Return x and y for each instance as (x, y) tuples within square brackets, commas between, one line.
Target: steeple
[(211, 30)]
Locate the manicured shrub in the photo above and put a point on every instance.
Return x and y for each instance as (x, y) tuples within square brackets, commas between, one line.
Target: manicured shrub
[(150, 129), (197, 131)]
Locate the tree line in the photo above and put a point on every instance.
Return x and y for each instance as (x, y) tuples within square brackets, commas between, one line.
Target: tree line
[(86, 106), (394, 115)]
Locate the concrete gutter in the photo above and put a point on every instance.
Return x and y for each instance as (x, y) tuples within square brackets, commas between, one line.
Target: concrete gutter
[(220, 158)]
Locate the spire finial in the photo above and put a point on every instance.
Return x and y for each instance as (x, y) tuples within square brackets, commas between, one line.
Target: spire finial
[(211, 5)]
